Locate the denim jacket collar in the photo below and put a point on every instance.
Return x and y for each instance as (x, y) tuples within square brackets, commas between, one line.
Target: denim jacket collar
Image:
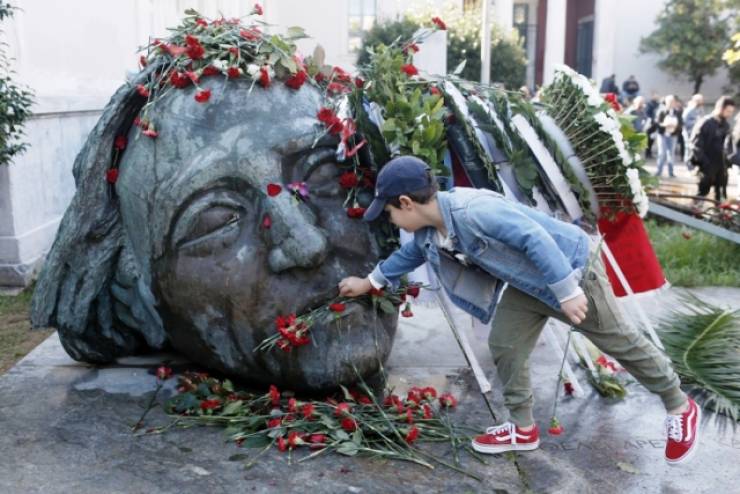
[(443, 203)]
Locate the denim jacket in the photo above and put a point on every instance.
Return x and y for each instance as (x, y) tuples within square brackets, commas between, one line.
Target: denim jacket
[(506, 242)]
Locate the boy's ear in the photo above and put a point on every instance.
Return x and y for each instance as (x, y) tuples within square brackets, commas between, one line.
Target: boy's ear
[(405, 201)]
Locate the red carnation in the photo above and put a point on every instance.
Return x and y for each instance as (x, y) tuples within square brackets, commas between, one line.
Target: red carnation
[(435, 91), (555, 427), (272, 423), (210, 404), (411, 47), (406, 312), (337, 307), (297, 80), (427, 411), (264, 77), (234, 50), (232, 72), (439, 23), (174, 50), (201, 22), (317, 438), (179, 80), (294, 439), (409, 69), (337, 88), (111, 175), (258, 9), (142, 60), (429, 393), (203, 95), (340, 74), (163, 372), (412, 435), (342, 409), (355, 212), (194, 49), (266, 222), (348, 180), (413, 290), (210, 70), (273, 189), (308, 410), (349, 424), (192, 76), (120, 143), (409, 416), (251, 34), (568, 388), (150, 133), (274, 395), (282, 444), (415, 395), (447, 400), (142, 90)]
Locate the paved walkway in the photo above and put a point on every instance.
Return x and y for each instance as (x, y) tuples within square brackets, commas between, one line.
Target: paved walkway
[(64, 428)]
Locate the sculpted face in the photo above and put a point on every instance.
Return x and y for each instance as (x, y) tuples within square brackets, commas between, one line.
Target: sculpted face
[(192, 204)]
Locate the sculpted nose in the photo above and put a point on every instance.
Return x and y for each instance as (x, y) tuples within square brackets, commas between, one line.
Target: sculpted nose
[(297, 242)]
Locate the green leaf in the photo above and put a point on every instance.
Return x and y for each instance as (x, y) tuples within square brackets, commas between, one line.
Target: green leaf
[(228, 386), (340, 435), (296, 32), (348, 448), (238, 457), (232, 407), (386, 306), (347, 395), (458, 70)]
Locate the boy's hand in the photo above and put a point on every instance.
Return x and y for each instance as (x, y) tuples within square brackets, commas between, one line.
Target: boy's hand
[(576, 308), (354, 286)]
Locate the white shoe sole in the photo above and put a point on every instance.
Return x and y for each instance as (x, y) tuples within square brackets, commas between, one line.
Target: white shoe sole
[(690, 453), (492, 450)]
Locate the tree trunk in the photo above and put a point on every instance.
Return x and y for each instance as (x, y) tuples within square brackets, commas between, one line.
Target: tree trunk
[(697, 83)]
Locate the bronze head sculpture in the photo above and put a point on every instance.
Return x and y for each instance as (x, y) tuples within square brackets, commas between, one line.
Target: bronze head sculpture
[(177, 253)]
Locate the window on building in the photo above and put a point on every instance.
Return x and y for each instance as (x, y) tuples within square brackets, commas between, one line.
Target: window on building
[(521, 23), (361, 19), (469, 5)]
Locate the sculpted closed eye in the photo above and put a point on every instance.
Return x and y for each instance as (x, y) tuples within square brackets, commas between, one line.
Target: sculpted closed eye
[(210, 221), (324, 180), (214, 217)]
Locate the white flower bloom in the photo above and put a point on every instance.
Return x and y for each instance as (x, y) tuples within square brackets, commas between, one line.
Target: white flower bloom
[(638, 193), (253, 70)]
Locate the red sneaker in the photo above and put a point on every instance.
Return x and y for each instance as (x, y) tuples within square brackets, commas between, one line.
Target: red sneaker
[(506, 437), (683, 434)]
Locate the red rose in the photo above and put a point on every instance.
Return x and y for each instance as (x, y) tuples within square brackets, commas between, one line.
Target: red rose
[(439, 23), (409, 69), (210, 70), (348, 180), (264, 77), (203, 95), (232, 72), (111, 175), (359, 83), (412, 435), (120, 143), (355, 212), (337, 307), (297, 80), (447, 400), (258, 9), (413, 290), (163, 372), (273, 189), (142, 90), (349, 424)]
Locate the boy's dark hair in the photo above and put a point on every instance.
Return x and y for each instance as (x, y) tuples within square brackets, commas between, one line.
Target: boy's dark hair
[(421, 196)]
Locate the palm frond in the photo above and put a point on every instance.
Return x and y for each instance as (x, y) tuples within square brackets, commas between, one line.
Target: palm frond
[(703, 342)]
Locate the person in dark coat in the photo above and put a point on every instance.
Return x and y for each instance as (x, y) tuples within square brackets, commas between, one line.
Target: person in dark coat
[(708, 148), (630, 89), (651, 110), (609, 85)]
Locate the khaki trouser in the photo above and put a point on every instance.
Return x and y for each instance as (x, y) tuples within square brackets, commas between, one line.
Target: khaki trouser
[(519, 319)]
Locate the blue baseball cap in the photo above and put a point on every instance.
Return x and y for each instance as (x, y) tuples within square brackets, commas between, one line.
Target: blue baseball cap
[(400, 175)]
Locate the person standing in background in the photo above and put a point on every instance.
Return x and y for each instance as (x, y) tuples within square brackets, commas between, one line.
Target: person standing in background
[(651, 109), (708, 148), (630, 90), (669, 125), (638, 109), (680, 143), (693, 112), (609, 85)]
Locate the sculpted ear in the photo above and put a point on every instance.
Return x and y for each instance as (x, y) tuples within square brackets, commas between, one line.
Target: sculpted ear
[(73, 292)]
